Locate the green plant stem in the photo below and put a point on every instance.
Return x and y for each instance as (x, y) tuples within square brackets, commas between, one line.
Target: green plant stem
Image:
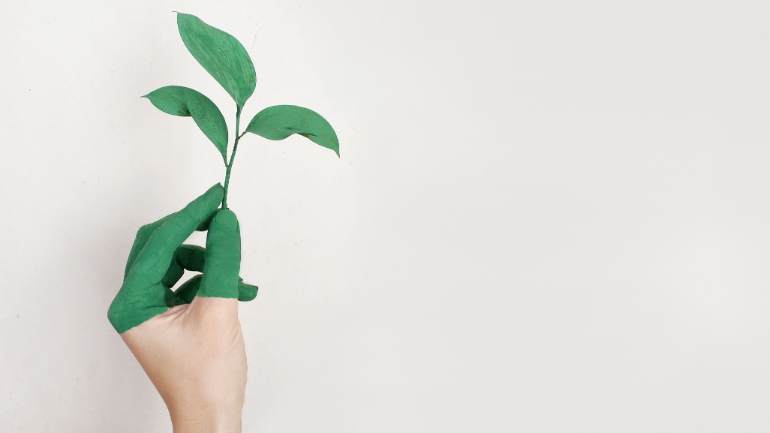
[(229, 165)]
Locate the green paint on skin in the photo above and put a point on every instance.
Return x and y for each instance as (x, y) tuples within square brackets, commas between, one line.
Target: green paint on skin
[(223, 243), (158, 259)]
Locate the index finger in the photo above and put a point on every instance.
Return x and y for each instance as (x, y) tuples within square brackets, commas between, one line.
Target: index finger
[(156, 255)]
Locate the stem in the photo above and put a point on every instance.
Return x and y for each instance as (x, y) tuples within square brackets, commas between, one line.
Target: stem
[(229, 165)]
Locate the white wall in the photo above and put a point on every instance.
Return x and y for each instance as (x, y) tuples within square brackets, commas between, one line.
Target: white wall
[(548, 216)]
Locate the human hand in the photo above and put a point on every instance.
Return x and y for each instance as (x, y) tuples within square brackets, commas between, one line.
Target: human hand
[(188, 341)]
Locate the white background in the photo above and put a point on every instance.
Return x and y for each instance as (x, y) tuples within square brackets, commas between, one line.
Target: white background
[(548, 216)]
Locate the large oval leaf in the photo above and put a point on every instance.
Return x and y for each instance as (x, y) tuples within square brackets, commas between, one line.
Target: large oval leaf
[(280, 121), (220, 54), (183, 101)]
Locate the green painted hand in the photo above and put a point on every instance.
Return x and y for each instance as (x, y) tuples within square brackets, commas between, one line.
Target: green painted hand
[(158, 259)]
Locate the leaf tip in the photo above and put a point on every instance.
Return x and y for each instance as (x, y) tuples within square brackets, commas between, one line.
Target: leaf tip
[(334, 145)]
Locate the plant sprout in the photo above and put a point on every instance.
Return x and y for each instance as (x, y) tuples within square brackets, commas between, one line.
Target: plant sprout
[(222, 56)]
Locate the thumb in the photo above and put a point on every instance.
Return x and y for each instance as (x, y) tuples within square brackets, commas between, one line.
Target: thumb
[(223, 257)]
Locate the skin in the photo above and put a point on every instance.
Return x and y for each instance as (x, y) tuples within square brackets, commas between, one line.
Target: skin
[(188, 341), (194, 355)]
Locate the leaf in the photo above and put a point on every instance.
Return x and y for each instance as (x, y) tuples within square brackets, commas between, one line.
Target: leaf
[(221, 55), (280, 121), (183, 101)]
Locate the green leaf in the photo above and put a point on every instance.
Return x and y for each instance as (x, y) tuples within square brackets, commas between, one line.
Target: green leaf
[(221, 55), (280, 121), (183, 101)]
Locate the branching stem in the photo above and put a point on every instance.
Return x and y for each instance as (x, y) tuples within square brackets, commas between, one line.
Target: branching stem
[(229, 165)]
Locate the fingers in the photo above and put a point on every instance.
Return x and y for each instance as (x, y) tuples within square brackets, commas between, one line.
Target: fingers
[(143, 294), (204, 226), (144, 232), (187, 291), (223, 257), (246, 292), (193, 258), (190, 257), (153, 260), (142, 235)]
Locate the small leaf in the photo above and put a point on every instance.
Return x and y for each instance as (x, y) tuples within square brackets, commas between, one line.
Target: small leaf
[(183, 101), (220, 54), (280, 121)]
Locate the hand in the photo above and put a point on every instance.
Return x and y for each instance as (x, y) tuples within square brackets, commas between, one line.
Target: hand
[(188, 341)]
